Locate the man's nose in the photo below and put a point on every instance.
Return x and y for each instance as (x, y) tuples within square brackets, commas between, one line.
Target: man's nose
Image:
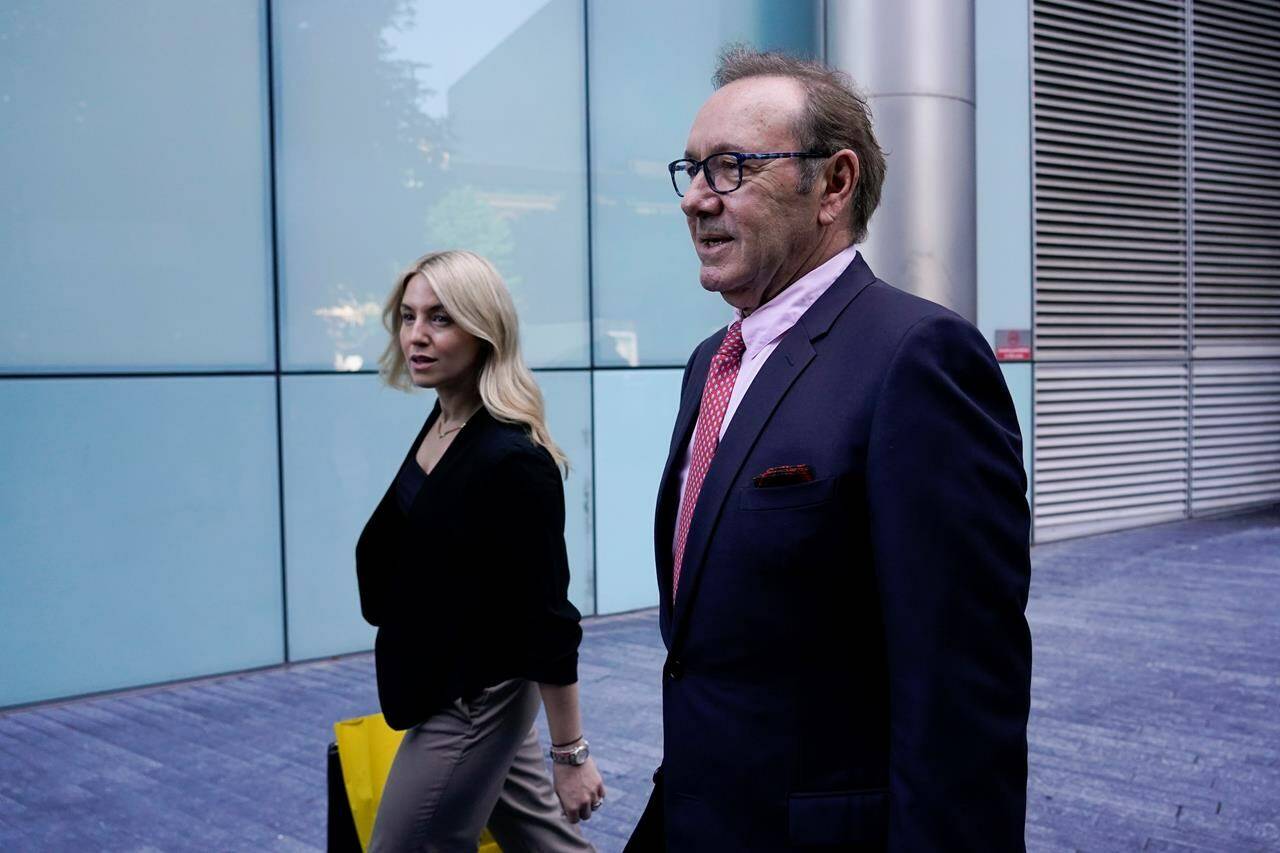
[(699, 199)]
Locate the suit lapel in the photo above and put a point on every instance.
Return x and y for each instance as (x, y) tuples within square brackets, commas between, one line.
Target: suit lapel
[(767, 390), (669, 486)]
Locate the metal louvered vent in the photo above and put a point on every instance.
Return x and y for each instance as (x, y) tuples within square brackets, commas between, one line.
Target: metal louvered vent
[(1156, 152), (1110, 447), (1236, 449), (1236, 120), (1110, 179)]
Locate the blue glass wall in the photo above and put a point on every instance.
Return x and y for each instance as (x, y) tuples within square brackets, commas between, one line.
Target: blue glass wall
[(1002, 127), (405, 127), (649, 308), (139, 532), (205, 206), (134, 228)]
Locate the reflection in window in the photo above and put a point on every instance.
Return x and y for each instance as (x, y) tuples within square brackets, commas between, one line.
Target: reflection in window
[(410, 126), (648, 304), (351, 323), (134, 181)]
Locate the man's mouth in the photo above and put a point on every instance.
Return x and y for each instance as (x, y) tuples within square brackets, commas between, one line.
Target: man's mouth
[(711, 241)]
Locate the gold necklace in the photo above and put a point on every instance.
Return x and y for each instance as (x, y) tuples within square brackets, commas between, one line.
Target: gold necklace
[(441, 432)]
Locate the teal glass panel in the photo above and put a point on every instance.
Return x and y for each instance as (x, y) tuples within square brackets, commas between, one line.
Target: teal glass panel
[(649, 306), (344, 439), (1018, 377), (568, 397), (408, 127), (1002, 127), (133, 152), (139, 532), (635, 413)]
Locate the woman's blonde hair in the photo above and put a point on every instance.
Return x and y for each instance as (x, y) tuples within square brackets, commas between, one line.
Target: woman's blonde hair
[(473, 293)]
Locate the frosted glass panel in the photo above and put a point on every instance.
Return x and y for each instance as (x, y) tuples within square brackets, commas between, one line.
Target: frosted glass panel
[(1002, 131), (568, 396), (635, 413), (1018, 378), (344, 438), (407, 127), (139, 532), (649, 307), (133, 232)]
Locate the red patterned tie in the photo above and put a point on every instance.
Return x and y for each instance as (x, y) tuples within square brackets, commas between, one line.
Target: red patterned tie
[(715, 400)]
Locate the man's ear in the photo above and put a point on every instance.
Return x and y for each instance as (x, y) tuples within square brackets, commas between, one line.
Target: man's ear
[(839, 180)]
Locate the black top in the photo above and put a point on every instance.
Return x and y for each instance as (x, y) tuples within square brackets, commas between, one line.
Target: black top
[(409, 482), (469, 587)]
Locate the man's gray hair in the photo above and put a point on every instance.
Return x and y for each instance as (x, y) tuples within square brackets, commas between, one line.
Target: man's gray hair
[(835, 116)]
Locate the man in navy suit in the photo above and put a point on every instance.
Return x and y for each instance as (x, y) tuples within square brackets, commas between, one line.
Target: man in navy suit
[(842, 528)]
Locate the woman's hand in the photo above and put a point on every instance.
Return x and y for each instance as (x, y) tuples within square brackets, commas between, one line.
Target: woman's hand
[(579, 786), (580, 789)]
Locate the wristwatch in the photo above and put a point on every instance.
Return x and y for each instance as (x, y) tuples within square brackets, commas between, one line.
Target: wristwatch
[(575, 757)]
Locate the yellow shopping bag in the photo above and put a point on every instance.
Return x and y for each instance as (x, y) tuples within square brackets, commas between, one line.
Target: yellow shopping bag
[(366, 748)]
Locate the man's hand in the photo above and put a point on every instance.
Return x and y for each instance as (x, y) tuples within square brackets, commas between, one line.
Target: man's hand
[(579, 788)]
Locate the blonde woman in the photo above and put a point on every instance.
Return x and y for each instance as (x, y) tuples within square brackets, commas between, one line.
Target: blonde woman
[(462, 568)]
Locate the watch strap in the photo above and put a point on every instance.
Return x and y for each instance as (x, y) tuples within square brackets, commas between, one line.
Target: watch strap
[(574, 757)]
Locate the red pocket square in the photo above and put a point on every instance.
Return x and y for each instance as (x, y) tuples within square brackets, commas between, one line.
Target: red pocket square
[(783, 475)]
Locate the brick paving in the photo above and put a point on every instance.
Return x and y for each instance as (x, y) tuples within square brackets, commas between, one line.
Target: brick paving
[(1155, 721)]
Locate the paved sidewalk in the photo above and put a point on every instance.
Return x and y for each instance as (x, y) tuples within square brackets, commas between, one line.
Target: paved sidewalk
[(1155, 721)]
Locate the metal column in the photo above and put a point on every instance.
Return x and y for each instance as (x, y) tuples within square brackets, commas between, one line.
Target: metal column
[(915, 61)]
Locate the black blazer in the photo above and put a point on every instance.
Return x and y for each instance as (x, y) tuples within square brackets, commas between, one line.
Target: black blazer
[(470, 588), (848, 660)]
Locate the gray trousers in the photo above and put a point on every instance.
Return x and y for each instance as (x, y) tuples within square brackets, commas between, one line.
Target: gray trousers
[(474, 763)]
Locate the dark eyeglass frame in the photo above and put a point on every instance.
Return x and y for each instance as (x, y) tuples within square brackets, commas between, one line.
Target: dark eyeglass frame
[(693, 167)]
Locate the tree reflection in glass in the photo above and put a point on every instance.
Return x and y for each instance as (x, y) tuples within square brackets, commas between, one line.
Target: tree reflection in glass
[(411, 126)]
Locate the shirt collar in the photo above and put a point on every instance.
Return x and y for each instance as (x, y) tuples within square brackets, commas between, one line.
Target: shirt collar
[(776, 317)]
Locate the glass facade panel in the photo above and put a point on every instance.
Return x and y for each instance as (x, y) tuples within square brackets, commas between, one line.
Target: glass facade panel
[(1002, 129), (568, 397), (1018, 378), (133, 143), (344, 438), (649, 308), (407, 127), (635, 413), (139, 532)]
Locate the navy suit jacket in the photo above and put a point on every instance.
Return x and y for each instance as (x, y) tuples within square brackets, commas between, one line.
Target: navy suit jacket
[(848, 659)]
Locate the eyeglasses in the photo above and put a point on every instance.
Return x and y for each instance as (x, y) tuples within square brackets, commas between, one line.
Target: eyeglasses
[(723, 169)]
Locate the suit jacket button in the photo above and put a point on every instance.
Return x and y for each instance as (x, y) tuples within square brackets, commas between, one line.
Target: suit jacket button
[(675, 670)]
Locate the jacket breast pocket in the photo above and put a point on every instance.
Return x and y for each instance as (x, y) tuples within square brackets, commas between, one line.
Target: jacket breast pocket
[(787, 497), (839, 817)]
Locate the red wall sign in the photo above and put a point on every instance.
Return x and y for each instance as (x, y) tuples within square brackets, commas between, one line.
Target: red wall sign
[(1013, 344)]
